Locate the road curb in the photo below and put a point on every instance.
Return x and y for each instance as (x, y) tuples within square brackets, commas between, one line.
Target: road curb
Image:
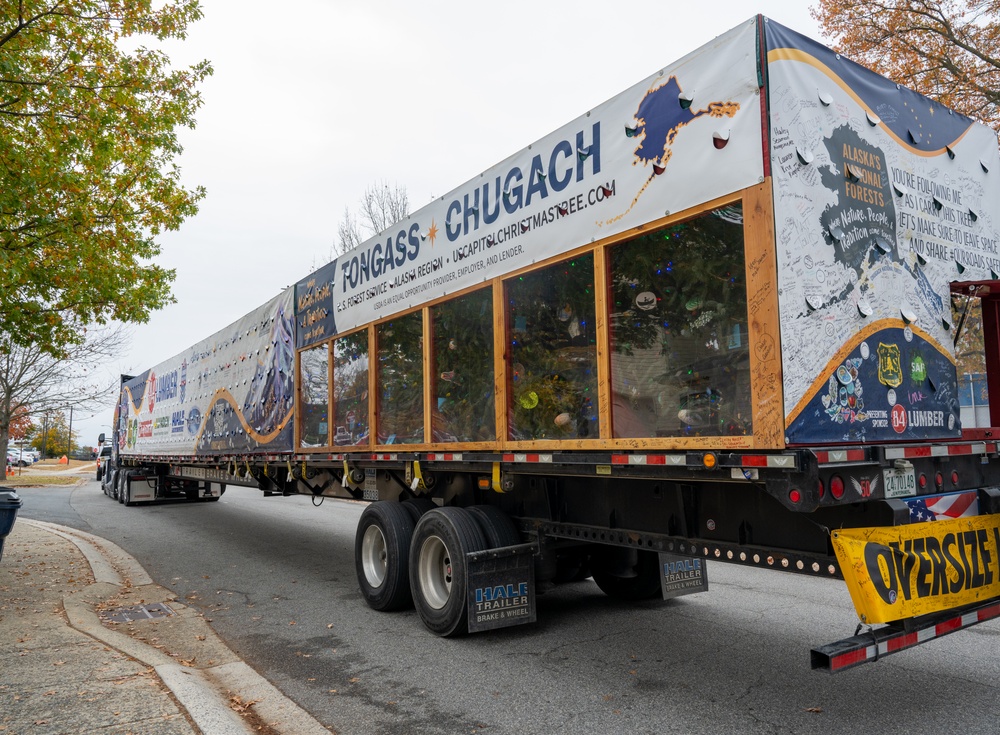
[(205, 693)]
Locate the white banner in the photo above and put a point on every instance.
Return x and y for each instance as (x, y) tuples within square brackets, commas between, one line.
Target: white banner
[(679, 138), (230, 393)]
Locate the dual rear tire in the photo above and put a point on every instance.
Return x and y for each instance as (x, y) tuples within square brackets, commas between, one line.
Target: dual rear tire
[(414, 553), (382, 555)]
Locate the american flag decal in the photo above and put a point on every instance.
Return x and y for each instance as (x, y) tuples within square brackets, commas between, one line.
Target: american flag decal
[(944, 507)]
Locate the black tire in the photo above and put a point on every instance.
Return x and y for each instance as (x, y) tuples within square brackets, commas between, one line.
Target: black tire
[(438, 574), (100, 472), (120, 487), (127, 494), (382, 555), (496, 526), (418, 506), (645, 585)]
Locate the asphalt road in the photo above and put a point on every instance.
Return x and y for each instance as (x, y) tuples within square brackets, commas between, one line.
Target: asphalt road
[(276, 577)]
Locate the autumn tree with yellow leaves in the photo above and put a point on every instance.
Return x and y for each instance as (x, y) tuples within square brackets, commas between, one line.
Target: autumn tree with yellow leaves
[(948, 50), (89, 114)]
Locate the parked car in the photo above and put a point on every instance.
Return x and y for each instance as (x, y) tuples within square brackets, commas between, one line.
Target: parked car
[(18, 458)]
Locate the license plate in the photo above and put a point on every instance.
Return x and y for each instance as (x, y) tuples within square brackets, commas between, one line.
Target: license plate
[(900, 483)]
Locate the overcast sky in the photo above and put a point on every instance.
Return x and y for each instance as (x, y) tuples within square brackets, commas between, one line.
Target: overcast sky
[(314, 100)]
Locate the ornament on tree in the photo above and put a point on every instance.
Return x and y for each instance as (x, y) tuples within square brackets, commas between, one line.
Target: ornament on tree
[(529, 400)]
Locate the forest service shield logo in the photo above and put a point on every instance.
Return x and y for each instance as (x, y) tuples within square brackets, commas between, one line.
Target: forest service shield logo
[(890, 370)]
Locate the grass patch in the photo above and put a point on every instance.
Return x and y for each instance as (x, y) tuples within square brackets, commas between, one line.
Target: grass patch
[(36, 480)]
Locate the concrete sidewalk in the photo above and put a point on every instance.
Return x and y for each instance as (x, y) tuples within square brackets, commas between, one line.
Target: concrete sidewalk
[(89, 644)]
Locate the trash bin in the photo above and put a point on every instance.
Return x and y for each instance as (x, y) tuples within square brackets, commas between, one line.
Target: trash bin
[(10, 503)]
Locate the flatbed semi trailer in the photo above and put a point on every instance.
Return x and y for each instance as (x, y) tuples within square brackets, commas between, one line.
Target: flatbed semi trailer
[(711, 319)]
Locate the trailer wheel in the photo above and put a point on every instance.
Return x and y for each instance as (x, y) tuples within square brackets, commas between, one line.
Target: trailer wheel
[(127, 494), (382, 555), (418, 506), (122, 483), (496, 526), (642, 581), (441, 540)]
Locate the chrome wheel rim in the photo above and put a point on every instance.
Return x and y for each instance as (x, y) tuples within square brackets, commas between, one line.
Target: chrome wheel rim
[(435, 572), (374, 556)]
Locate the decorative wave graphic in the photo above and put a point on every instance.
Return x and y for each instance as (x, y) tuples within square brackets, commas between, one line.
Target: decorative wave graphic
[(922, 125)]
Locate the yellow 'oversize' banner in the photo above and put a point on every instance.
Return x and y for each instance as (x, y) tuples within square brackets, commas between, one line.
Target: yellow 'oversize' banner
[(903, 571)]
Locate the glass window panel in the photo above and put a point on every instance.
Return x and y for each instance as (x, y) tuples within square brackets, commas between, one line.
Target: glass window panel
[(678, 316), (401, 380), (350, 389), (553, 354), (463, 369), (314, 426)]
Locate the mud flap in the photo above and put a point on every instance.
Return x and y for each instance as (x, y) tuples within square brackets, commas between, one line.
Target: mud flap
[(501, 587), (682, 575)]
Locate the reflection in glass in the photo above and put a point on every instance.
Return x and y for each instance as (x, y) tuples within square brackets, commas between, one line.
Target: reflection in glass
[(350, 389), (678, 316), (553, 352), (400, 380), (463, 369), (314, 426)]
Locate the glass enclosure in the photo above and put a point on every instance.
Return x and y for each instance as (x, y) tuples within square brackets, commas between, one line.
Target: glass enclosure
[(463, 373), (350, 389), (400, 380), (314, 424), (553, 352), (680, 362), (678, 359)]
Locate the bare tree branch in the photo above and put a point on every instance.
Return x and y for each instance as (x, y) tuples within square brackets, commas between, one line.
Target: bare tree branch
[(35, 383), (381, 207)]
